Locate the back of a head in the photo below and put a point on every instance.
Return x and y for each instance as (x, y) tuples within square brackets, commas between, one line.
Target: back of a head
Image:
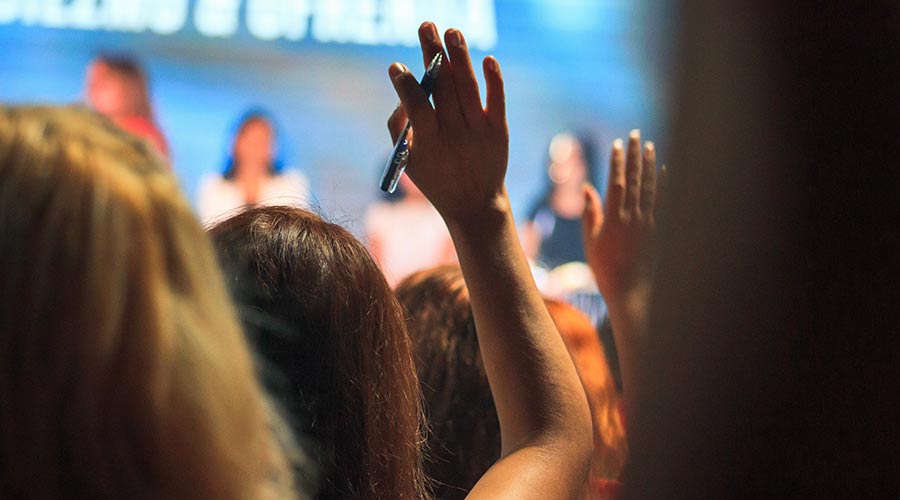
[(123, 373), (465, 433), (583, 343), (334, 347)]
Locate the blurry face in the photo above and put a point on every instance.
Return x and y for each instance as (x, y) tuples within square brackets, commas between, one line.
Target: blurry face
[(254, 146), (105, 91), (567, 163)]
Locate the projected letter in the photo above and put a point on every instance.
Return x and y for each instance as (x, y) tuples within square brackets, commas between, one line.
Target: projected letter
[(217, 18), (168, 16)]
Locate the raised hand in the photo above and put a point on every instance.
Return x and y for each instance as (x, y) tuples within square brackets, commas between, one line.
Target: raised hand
[(458, 159), (460, 152), (617, 237)]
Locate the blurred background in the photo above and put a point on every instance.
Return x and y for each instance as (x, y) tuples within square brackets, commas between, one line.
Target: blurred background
[(596, 67)]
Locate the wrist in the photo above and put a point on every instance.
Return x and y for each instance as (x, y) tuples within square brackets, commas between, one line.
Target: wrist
[(486, 215)]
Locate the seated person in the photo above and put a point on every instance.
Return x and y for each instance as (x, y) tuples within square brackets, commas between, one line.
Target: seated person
[(116, 86), (406, 234), (253, 173), (552, 235)]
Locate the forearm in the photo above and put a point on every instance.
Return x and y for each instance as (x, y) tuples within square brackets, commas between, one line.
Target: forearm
[(629, 318), (536, 390)]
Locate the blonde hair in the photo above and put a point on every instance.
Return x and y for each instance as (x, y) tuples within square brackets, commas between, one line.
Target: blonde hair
[(123, 372), (586, 351)]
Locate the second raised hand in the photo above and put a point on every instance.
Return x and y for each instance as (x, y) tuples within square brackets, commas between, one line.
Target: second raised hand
[(617, 237), (461, 149)]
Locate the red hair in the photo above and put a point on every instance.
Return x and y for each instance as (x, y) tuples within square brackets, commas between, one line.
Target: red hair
[(583, 343)]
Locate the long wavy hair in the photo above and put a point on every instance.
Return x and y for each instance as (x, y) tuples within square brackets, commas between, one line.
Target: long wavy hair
[(123, 370), (327, 324), (465, 434)]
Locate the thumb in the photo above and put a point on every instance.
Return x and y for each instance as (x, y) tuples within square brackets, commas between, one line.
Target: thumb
[(592, 215)]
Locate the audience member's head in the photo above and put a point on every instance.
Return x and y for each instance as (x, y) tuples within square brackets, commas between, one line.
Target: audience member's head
[(253, 146), (583, 342), (465, 434), (465, 437), (116, 86), (324, 319), (123, 370)]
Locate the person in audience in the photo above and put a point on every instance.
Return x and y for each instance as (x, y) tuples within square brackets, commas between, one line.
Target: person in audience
[(316, 281), (769, 356), (407, 234), (458, 159), (123, 369), (321, 315), (116, 86), (253, 173), (551, 236), (465, 439)]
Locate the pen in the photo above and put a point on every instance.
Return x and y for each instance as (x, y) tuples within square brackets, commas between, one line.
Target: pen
[(399, 156)]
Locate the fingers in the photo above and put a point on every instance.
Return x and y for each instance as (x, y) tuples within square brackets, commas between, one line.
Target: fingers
[(446, 101), (592, 216), (615, 191), (412, 99), (633, 172), (496, 95), (396, 122), (464, 77), (431, 44), (648, 179)]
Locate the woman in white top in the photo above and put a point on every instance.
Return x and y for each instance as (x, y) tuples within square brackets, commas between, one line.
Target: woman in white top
[(252, 174)]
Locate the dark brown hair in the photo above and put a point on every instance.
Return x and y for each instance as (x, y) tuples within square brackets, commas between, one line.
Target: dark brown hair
[(465, 433), (321, 313)]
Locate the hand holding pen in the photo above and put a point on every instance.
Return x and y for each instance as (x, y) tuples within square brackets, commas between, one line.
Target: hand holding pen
[(460, 150), (397, 162)]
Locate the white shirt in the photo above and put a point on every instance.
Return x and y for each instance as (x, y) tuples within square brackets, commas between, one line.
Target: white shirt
[(219, 198), (410, 236)]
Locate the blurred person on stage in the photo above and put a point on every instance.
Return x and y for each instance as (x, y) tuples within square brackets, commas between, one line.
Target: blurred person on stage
[(552, 235), (116, 86), (406, 234), (254, 172)]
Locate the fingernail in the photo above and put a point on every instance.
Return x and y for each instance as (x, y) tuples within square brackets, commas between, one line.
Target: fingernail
[(634, 134), (454, 39), (649, 146), (396, 69), (617, 144), (493, 65)]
